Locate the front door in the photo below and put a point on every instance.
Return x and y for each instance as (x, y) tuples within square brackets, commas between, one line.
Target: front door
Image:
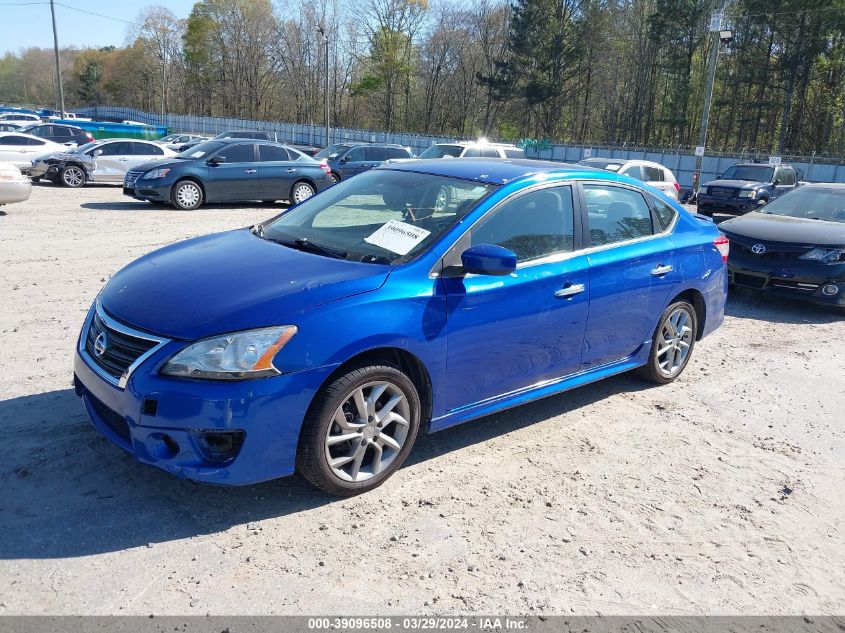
[(112, 161), (352, 163), (511, 332), (633, 269), (236, 177)]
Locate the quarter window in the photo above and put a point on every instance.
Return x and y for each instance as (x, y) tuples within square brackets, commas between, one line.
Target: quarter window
[(616, 214), (664, 212), (634, 171), (271, 153), (653, 174), (533, 225)]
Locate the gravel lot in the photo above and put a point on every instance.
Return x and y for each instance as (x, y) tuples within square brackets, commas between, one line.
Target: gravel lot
[(721, 493)]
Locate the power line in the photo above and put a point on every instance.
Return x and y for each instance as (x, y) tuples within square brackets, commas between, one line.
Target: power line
[(67, 6)]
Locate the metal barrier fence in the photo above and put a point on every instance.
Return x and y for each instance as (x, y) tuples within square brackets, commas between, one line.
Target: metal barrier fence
[(682, 163)]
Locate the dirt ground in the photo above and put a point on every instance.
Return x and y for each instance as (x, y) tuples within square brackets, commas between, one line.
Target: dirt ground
[(721, 493)]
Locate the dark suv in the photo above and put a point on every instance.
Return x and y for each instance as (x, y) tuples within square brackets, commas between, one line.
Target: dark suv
[(59, 133), (347, 159), (228, 170), (745, 187)]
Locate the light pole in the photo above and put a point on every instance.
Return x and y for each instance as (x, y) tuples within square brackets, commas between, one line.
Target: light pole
[(322, 31), (58, 68), (717, 36)]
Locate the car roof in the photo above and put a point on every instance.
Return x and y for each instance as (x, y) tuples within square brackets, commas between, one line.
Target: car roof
[(479, 144), (493, 170), (753, 164)]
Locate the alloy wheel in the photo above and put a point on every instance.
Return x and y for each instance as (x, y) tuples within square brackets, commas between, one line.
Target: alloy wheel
[(73, 176), (368, 431), (674, 342)]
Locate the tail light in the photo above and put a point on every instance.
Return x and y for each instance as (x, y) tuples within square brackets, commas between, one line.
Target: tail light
[(723, 246), (677, 187), (90, 138), (324, 165)]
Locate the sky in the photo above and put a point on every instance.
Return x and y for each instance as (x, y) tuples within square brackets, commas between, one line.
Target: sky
[(25, 23)]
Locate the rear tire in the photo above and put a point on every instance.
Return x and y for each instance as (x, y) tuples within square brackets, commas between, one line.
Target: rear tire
[(71, 176), (300, 192), (378, 438), (335, 178), (671, 344), (186, 195)]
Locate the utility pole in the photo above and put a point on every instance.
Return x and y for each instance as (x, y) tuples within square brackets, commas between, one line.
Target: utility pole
[(716, 35), (322, 31), (58, 68), (163, 81)]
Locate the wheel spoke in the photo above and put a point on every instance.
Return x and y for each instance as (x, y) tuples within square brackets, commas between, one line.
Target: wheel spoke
[(343, 423), (358, 459), (389, 442), (394, 417), (389, 406), (337, 462), (376, 459), (360, 403), (338, 439), (375, 394), (664, 349)]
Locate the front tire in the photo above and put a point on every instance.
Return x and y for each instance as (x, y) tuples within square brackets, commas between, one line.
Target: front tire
[(359, 430), (71, 176), (34, 179), (186, 195), (672, 344)]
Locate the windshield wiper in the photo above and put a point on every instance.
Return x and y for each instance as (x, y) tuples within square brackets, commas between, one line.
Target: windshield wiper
[(302, 244)]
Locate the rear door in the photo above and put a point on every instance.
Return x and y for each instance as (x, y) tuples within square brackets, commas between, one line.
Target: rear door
[(236, 178), (142, 153), (276, 172), (633, 269), (374, 156)]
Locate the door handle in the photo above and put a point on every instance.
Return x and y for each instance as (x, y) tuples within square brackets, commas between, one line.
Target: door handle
[(249, 171), (291, 170), (662, 269), (569, 291)]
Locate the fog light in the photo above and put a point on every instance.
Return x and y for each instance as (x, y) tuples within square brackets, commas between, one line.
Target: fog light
[(830, 290), (220, 446)]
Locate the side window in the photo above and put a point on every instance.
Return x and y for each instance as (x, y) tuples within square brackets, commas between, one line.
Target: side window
[(355, 155), (514, 153), (12, 139), (241, 153), (616, 214), (533, 225), (375, 153), (634, 171), (472, 152), (43, 130), (116, 149), (271, 153), (653, 174), (398, 152), (489, 152), (664, 212), (34, 141), (146, 149), (787, 176)]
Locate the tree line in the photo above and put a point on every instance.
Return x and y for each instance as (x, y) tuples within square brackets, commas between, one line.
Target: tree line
[(576, 71)]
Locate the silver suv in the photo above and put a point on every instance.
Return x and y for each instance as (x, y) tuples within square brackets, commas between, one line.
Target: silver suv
[(473, 149)]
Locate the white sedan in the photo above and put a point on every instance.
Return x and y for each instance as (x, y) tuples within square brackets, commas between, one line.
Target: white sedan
[(14, 186), (19, 148)]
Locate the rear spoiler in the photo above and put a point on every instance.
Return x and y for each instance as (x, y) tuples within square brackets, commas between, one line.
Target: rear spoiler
[(698, 216)]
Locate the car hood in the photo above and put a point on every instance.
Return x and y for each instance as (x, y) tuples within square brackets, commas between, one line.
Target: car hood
[(161, 162), (735, 184), (781, 228), (229, 281)]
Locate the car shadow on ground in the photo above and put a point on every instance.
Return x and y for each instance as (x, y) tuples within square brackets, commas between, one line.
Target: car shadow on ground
[(69, 492), (140, 205), (752, 304)]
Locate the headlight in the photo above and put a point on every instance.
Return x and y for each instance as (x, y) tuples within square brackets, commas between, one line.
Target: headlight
[(157, 173), (747, 193), (825, 255), (234, 356)]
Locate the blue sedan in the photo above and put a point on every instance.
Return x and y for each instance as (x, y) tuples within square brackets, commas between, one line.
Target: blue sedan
[(405, 300)]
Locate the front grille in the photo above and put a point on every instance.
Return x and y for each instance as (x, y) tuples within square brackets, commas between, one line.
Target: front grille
[(131, 177), (798, 287), (110, 418), (749, 281), (772, 251), (118, 349), (721, 192)]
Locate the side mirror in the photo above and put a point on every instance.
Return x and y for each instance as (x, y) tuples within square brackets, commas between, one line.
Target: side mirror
[(776, 182), (98, 152), (215, 160), (341, 161), (488, 259)]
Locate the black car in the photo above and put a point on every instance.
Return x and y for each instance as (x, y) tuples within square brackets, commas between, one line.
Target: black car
[(59, 133), (793, 247), (261, 135), (745, 187), (228, 170)]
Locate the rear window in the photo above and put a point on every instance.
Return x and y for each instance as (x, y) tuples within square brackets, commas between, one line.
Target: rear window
[(653, 174), (442, 151), (514, 153)]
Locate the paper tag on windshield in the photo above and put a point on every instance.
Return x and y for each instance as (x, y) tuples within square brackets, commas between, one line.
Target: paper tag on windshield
[(398, 237)]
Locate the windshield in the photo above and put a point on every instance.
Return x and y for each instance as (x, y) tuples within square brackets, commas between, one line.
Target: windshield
[(200, 150), (752, 173), (380, 216), (814, 203), (332, 151), (442, 151), (609, 165)]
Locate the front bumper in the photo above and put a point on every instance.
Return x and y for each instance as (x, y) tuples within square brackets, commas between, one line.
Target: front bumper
[(12, 191), (795, 280), (734, 206), (162, 421), (145, 189)]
